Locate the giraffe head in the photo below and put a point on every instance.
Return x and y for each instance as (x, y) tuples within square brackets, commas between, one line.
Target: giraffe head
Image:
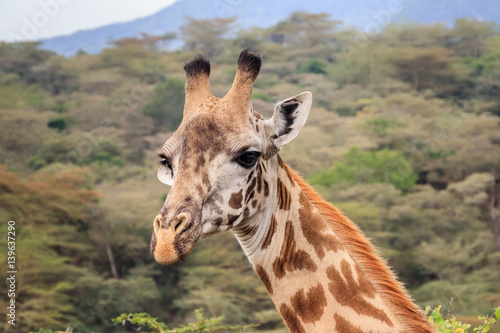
[(216, 160)]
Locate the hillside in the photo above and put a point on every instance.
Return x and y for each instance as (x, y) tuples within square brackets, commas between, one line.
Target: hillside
[(360, 13), (403, 136)]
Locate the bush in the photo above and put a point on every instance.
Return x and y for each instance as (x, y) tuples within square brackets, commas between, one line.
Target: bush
[(104, 158), (452, 325), (137, 321), (371, 167), (104, 153), (201, 325), (263, 97), (312, 66), (380, 126), (62, 108), (37, 163), (58, 123), (167, 104), (345, 109)]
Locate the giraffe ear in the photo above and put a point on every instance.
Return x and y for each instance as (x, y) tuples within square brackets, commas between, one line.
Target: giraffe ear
[(289, 117)]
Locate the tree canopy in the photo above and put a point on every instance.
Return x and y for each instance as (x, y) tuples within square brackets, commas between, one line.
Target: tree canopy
[(403, 135)]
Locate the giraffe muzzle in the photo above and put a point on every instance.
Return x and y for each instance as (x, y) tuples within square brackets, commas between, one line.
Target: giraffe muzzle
[(174, 242)]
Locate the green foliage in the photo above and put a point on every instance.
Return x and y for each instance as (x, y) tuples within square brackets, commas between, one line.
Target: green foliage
[(445, 325), (452, 325), (58, 123), (62, 108), (312, 66), (16, 95), (359, 166), (420, 102), (99, 298), (303, 29), (205, 35), (103, 153), (261, 96), (141, 320), (167, 104), (46, 241), (201, 325), (105, 158), (380, 126), (345, 110)]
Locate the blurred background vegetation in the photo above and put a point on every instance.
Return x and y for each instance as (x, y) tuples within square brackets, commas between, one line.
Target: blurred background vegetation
[(404, 136)]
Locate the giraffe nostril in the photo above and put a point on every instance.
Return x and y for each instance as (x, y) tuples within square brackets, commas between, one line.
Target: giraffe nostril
[(178, 224), (181, 222), (157, 223)]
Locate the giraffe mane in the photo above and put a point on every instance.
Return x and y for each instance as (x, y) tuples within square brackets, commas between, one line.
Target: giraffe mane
[(365, 255)]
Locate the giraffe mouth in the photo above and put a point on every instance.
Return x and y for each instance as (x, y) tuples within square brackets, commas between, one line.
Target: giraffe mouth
[(174, 243)]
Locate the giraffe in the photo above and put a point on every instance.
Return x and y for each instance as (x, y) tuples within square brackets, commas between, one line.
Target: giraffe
[(225, 173)]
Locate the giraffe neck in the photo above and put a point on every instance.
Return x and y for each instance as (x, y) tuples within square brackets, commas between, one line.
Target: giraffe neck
[(306, 268)]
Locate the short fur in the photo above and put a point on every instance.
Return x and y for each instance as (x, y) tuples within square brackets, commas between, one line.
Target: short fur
[(372, 265)]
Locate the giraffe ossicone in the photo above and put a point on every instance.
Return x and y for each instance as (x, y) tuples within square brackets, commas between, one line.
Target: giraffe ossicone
[(222, 162)]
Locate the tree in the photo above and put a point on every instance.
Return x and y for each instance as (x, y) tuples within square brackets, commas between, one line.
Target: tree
[(415, 35), (20, 58), (252, 38), (58, 123), (206, 35), (479, 189), (472, 35), (48, 212), (423, 68), (302, 29), (167, 104), (312, 66)]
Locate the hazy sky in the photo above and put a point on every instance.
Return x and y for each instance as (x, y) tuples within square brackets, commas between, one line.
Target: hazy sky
[(34, 19)]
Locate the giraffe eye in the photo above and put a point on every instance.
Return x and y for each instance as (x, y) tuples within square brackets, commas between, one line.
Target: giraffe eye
[(248, 159), (165, 162)]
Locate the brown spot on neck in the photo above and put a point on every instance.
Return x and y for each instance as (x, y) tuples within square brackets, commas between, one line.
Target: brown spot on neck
[(313, 227), (291, 320), (290, 258), (284, 196), (264, 277), (349, 292), (310, 306), (273, 224), (266, 188), (344, 326), (285, 169)]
